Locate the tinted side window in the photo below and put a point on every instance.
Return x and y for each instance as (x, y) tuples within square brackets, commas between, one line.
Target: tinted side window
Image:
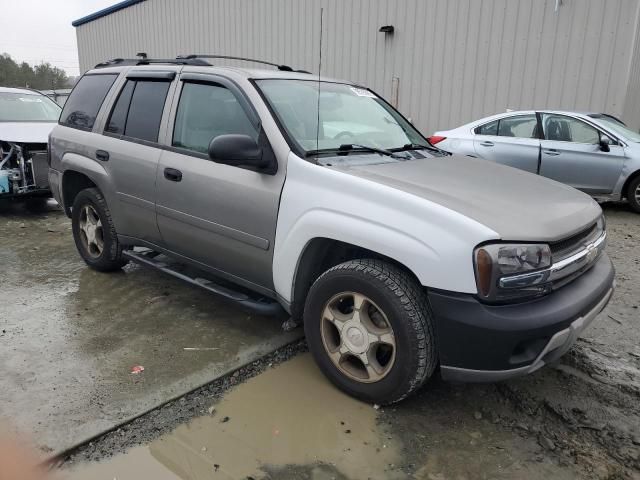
[(145, 110), (118, 117), (82, 107), (520, 126), (567, 129), (490, 128), (206, 111)]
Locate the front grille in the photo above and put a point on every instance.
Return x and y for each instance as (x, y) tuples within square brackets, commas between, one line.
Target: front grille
[(568, 246)]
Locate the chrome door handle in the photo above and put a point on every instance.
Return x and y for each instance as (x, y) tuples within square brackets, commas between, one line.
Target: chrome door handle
[(487, 144), (551, 152)]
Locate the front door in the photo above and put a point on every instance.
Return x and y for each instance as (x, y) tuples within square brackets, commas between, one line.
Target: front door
[(571, 154), (510, 141), (219, 215)]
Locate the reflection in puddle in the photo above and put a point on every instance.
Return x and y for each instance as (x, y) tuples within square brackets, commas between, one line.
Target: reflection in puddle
[(287, 418)]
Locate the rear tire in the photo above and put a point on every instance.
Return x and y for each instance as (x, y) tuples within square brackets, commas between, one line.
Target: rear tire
[(380, 302), (633, 194), (94, 233)]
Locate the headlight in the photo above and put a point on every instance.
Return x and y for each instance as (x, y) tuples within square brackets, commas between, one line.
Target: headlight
[(494, 262)]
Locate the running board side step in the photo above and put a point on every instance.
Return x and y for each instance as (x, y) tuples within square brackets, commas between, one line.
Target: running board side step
[(260, 306)]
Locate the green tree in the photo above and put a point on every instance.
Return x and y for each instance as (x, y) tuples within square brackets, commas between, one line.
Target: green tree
[(41, 77)]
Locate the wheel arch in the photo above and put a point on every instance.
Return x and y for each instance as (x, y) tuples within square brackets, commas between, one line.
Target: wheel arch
[(73, 182), (319, 255), (80, 172), (627, 182)]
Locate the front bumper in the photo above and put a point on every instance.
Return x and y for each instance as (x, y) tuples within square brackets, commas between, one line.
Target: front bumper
[(484, 343)]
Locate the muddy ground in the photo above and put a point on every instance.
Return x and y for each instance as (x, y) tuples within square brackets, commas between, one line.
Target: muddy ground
[(577, 419), (70, 336)]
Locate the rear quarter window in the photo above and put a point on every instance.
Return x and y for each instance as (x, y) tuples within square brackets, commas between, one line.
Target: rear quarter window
[(138, 111), (81, 109), (490, 128)]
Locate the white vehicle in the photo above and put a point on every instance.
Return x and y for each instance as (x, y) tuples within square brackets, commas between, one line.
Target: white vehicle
[(397, 256), (26, 119), (593, 152)]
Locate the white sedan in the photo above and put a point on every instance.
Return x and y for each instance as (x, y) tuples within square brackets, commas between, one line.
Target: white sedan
[(593, 152)]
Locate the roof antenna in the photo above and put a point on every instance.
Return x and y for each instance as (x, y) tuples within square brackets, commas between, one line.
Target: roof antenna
[(319, 72)]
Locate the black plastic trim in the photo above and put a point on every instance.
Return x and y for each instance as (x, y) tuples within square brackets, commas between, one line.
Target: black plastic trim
[(166, 75), (256, 305), (477, 336)]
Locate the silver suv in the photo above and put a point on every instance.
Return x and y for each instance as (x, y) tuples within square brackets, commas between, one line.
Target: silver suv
[(314, 196)]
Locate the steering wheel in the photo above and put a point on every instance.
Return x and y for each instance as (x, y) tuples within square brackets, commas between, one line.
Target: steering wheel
[(344, 134)]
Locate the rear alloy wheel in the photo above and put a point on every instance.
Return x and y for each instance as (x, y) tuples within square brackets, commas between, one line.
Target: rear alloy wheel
[(94, 232), (91, 231), (633, 194), (369, 328)]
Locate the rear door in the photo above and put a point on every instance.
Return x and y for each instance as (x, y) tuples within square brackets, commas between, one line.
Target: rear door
[(511, 140), (221, 216), (572, 154), (130, 151)]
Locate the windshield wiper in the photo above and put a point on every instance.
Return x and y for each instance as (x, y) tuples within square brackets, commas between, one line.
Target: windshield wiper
[(415, 146), (352, 147)]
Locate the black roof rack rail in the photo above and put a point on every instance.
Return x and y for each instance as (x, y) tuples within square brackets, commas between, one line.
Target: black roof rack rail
[(116, 62), (283, 68)]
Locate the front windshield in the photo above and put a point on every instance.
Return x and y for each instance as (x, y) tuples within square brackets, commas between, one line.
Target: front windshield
[(26, 107), (348, 116), (617, 127)]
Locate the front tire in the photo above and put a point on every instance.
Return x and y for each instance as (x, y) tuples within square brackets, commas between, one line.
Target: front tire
[(370, 330), (633, 194), (94, 233)]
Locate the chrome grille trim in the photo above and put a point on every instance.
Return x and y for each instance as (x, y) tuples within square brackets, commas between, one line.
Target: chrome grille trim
[(561, 270), (567, 247)]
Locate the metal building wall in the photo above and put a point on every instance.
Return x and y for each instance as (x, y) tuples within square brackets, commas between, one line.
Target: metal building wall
[(448, 62)]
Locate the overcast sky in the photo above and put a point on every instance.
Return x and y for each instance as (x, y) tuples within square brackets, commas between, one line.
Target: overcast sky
[(40, 30)]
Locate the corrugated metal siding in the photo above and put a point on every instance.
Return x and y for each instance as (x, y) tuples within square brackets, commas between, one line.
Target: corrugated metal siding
[(454, 60), (631, 110)]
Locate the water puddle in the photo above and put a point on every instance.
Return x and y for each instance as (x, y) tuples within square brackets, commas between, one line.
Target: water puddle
[(288, 421)]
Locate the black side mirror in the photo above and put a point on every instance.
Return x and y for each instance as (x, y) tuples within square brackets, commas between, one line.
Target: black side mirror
[(604, 143), (236, 150)]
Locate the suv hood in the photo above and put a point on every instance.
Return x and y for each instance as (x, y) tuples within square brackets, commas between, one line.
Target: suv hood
[(517, 205), (26, 132)]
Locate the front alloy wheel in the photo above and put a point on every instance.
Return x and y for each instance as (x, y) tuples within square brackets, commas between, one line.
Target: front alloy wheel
[(358, 337), (369, 328)]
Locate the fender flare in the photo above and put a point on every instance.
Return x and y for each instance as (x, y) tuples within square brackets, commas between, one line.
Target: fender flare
[(413, 253), (73, 162)]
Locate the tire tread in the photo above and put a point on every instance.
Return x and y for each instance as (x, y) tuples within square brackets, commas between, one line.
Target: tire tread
[(114, 261), (416, 308)]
